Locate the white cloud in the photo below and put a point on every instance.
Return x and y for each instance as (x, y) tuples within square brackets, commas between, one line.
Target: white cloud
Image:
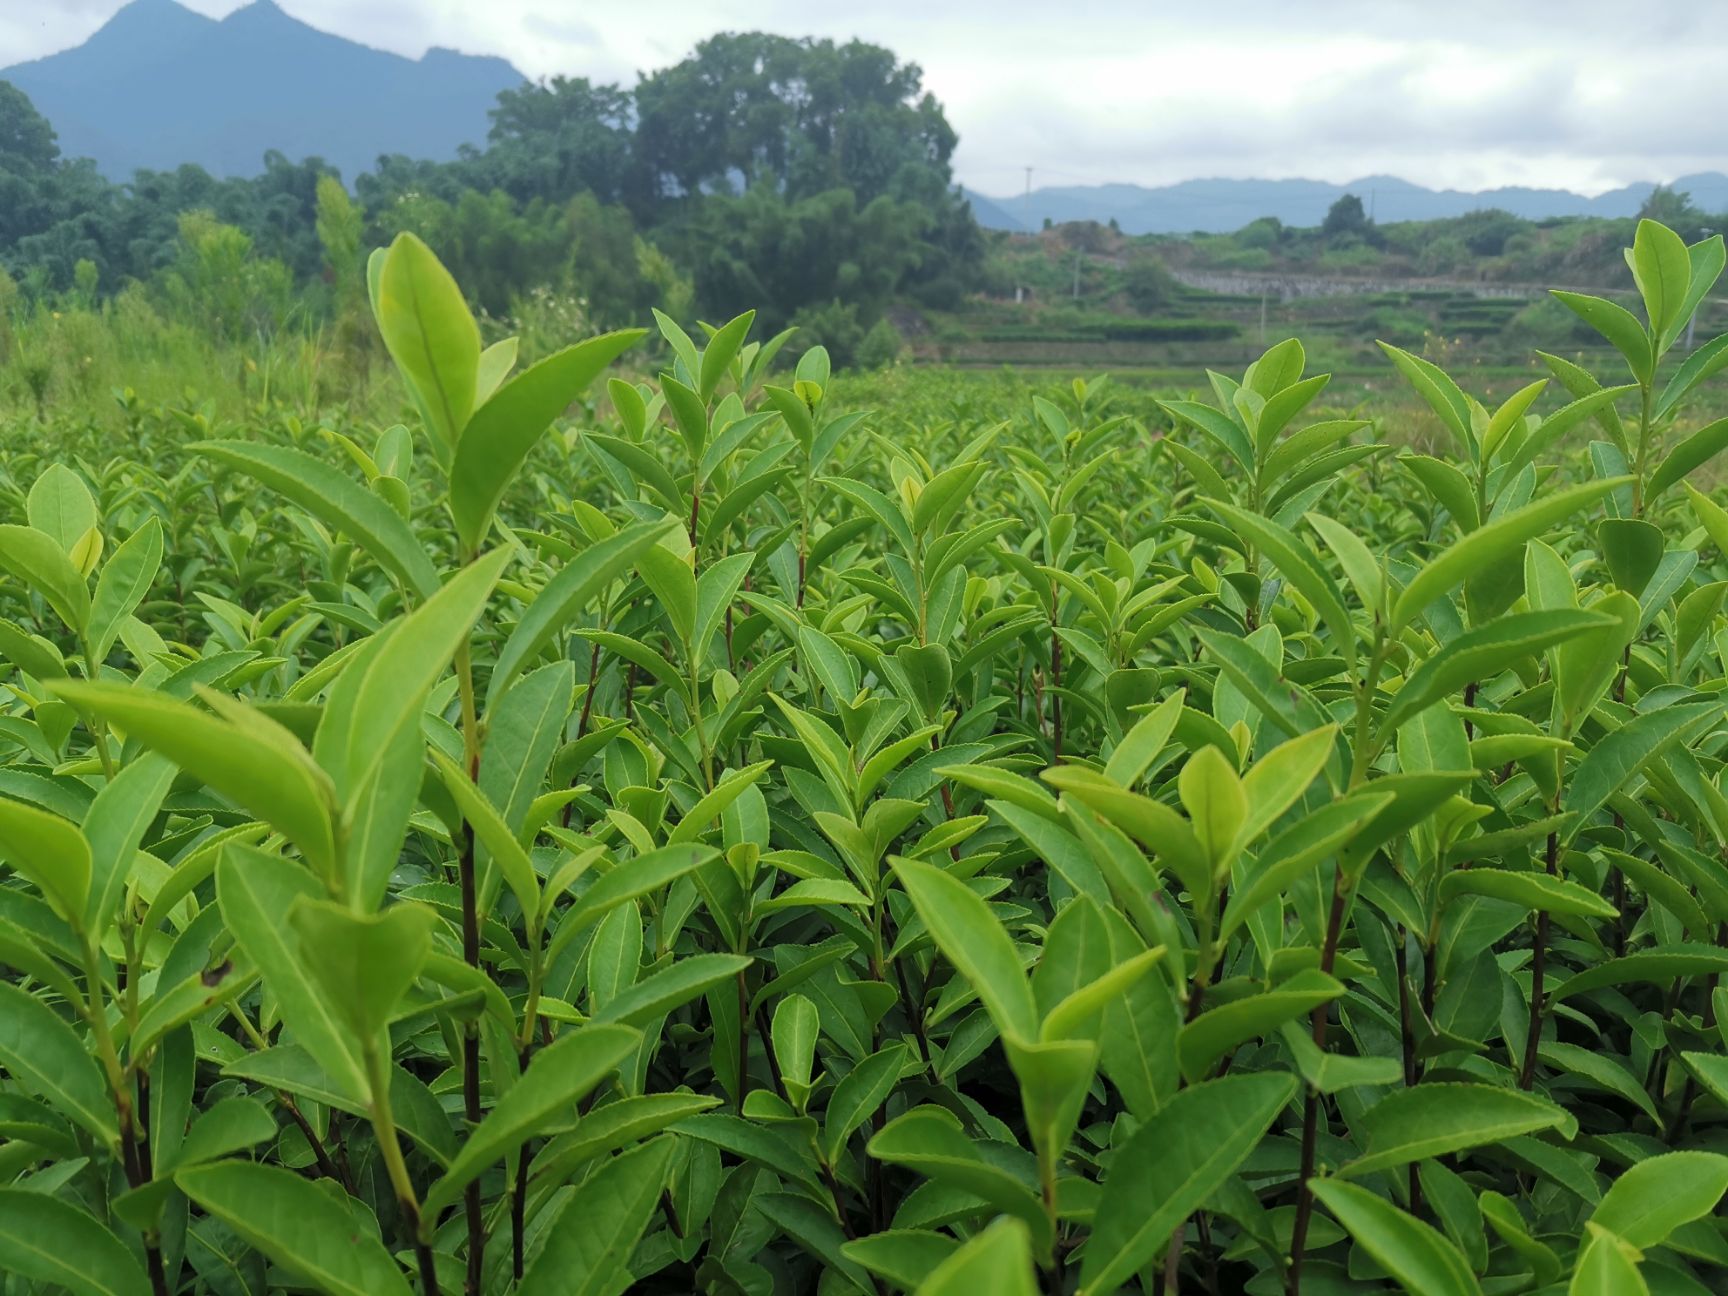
[(1468, 95)]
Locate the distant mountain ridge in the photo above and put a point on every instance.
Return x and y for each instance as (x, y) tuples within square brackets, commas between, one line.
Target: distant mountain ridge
[(159, 85), (1222, 206)]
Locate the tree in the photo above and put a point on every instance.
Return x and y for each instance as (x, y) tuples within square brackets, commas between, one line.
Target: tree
[(783, 257), (1485, 232), (27, 143), (1674, 209), (1346, 216), (1265, 233), (339, 229), (1148, 286), (28, 153), (800, 116), (218, 282), (560, 138), (602, 264)]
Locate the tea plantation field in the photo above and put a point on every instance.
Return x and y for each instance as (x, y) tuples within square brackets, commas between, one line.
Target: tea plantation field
[(659, 819)]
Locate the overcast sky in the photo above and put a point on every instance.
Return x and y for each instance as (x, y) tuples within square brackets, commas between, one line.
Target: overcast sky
[(1470, 94)]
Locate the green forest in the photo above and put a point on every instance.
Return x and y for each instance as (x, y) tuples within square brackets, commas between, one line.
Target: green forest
[(804, 179)]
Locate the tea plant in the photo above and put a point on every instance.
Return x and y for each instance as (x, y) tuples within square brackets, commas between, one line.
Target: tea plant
[(709, 843)]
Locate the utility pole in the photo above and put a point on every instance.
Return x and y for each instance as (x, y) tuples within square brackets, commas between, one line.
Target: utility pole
[(1028, 182), (1076, 276)]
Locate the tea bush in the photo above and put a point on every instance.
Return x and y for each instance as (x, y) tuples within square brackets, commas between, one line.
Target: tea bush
[(705, 843)]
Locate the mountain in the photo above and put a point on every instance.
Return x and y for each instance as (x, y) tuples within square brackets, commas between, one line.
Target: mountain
[(989, 213), (1221, 206), (160, 85)]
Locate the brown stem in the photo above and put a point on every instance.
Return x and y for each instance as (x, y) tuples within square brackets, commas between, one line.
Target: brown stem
[(914, 1014), (1538, 969), (1619, 899), (765, 1030), (1407, 1040), (582, 720), (135, 1161), (1689, 1094), (428, 1268), (145, 1167), (839, 1202), (1211, 1251), (1311, 1101), (519, 1197), (1055, 685), (129, 1149), (422, 1248), (1196, 998), (695, 511), (471, 1056), (1173, 1261), (744, 1042), (320, 1154)]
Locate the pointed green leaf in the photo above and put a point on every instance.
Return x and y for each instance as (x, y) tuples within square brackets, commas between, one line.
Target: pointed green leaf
[(1437, 1119), (45, 1057), (1416, 1254), (1172, 1165), (560, 1074), (1494, 542), (302, 1228), (589, 1245), (971, 938), (46, 1240), (501, 432), (430, 334)]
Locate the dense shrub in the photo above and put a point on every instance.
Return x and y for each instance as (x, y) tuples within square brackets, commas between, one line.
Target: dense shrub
[(707, 839)]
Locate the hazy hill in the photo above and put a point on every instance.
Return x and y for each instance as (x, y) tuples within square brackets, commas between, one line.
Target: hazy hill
[(160, 85), (1221, 206)]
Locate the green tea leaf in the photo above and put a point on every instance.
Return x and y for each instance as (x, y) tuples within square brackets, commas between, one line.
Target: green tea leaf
[(35, 558), (52, 853), (589, 1244), (998, 1260), (500, 432), (305, 1230), (1653, 1198), (1436, 1119), (45, 1057), (972, 940), (256, 893), (1172, 1165), (243, 755), (431, 336), (46, 1240), (560, 1074), (1417, 1255), (1493, 543), (337, 500)]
